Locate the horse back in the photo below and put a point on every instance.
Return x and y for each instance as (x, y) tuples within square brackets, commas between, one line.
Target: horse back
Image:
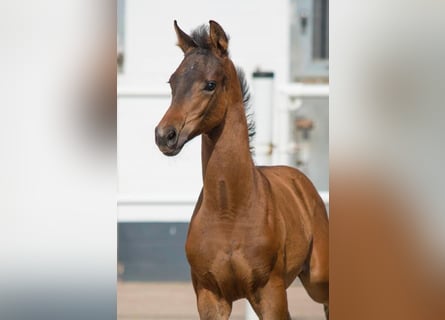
[(292, 191)]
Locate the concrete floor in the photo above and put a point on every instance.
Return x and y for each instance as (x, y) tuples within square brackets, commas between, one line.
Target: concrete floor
[(176, 301)]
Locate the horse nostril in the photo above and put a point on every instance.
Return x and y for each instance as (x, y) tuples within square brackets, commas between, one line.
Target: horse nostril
[(171, 135)]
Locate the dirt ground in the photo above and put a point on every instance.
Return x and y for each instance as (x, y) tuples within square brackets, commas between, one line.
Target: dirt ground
[(176, 301)]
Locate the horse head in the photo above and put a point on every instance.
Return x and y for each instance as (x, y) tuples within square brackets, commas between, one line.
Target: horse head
[(198, 87)]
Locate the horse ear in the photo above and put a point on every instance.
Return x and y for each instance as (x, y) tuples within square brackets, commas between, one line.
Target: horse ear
[(218, 38), (185, 42)]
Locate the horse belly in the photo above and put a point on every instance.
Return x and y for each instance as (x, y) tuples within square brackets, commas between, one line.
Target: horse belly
[(295, 265), (298, 233)]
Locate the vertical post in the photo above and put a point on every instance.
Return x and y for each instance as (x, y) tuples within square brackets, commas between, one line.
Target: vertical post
[(262, 85), (285, 146)]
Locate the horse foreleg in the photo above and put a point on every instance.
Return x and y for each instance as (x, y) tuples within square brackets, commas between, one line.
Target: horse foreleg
[(270, 302), (212, 307)]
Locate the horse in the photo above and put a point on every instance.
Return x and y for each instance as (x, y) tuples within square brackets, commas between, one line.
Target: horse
[(254, 228)]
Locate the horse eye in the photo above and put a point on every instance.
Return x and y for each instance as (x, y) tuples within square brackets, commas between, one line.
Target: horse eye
[(210, 86)]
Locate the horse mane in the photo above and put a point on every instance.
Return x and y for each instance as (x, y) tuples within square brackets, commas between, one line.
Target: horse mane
[(247, 106), (200, 36)]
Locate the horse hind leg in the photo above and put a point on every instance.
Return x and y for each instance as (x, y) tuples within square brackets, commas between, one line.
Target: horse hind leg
[(326, 311), (318, 291), (315, 277)]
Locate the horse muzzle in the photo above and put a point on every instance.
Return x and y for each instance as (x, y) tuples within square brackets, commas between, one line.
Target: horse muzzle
[(168, 140)]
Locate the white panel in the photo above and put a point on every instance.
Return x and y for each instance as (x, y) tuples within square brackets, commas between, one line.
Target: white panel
[(142, 168)]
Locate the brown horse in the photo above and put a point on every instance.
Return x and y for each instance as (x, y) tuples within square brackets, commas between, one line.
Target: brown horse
[(254, 229)]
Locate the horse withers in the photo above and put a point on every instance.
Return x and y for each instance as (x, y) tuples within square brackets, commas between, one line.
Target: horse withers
[(254, 229)]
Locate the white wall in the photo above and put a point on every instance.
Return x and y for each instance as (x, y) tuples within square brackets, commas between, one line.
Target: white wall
[(259, 31), (152, 186)]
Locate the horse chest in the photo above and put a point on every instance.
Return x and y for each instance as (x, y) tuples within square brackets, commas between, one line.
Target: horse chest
[(215, 253), (222, 268), (228, 262)]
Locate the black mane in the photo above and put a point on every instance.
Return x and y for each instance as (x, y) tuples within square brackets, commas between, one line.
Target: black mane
[(201, 37), (247, 106)]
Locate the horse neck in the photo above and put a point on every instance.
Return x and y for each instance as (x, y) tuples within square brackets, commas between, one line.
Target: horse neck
[(227, 164)]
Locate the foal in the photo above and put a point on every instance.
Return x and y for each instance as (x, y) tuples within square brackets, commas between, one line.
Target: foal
[(254, 229)]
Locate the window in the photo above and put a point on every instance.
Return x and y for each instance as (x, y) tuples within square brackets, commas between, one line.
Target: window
[(320, 41), (309, 40)]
